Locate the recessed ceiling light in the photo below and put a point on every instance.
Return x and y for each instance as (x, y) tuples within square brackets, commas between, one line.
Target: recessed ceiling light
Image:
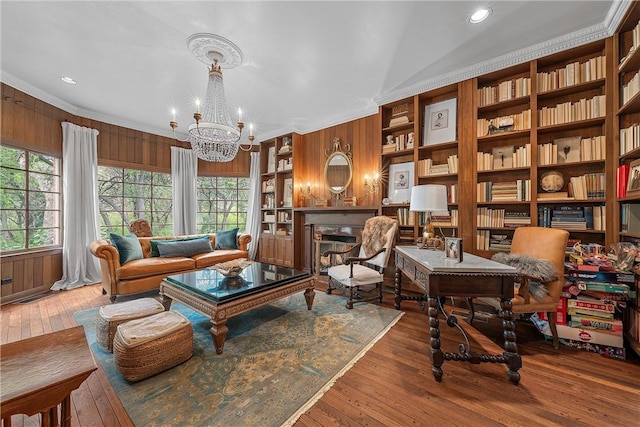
[(68, 80), (480, 15)]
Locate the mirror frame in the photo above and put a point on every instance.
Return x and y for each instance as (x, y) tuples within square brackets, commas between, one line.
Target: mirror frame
[(331, 154)]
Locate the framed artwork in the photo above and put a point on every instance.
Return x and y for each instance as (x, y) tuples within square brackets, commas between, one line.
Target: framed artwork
[(568, 149), (453, 249), (633, 183), (440, 122), (400, 182)]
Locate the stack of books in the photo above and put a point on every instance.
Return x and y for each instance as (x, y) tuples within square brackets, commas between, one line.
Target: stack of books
[(568, 218)]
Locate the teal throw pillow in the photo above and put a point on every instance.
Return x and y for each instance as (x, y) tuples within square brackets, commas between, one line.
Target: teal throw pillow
[(227, 239), (154, 243), (128, 247), (184, 247)]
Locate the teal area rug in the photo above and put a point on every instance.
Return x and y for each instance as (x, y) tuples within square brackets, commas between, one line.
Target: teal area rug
[(278, 360)]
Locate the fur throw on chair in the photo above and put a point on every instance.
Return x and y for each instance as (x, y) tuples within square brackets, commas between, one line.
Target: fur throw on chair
[(540, 270), (374, 234)]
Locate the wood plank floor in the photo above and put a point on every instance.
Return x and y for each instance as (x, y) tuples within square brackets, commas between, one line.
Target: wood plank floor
[(392, 384)]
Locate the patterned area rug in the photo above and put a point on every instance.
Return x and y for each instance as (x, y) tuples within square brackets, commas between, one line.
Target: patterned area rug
[(278, 360)]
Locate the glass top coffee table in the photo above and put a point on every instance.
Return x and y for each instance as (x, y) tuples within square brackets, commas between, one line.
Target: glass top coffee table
[(220, 298)]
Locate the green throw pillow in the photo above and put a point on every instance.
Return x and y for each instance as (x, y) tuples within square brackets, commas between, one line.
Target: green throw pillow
[(227, 239), (128, 247), (184, 247), (154, 243)]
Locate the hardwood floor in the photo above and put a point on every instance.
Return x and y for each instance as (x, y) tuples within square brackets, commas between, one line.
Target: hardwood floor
[(392, 384)]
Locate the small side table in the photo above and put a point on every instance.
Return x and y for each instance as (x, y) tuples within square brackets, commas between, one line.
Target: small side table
[(39, 373)]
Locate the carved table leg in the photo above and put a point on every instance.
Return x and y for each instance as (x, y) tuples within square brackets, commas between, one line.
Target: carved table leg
[(166, 302), (511, 356), (397, 289), (219, 333), (437, 356), (309, 295)]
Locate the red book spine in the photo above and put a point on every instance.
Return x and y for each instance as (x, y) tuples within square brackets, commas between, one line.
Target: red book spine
[(622, 176)]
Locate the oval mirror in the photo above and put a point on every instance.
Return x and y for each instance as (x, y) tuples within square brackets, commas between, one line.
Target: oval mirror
[(337, 172)]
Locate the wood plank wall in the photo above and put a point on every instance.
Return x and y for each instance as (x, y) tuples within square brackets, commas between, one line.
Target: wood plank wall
[(364, 136), (27, 122)]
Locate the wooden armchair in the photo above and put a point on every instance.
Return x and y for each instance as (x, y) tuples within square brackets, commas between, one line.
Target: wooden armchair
[(544, 244), (367, 269)]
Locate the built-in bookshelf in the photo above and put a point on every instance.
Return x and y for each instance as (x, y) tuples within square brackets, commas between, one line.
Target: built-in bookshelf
[(277, 200), (627, 126)]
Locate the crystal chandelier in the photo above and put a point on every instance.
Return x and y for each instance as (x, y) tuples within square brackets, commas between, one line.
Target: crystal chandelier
[(213, 136)]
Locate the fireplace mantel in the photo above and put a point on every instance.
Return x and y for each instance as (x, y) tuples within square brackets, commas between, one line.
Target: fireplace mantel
[(346, 219)]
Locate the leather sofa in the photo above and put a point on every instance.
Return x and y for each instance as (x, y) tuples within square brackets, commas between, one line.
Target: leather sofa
[(145, 274)]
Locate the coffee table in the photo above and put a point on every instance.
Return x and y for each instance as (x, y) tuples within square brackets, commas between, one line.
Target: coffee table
[(220, 298)]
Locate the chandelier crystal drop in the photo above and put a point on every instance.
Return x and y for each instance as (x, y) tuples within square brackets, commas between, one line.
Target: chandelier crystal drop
[(213, 136)]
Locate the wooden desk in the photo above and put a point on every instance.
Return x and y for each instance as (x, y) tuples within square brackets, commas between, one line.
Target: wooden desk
[(39, 373), (440, 277)]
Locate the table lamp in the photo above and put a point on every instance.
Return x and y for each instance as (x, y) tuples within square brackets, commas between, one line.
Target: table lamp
[(428, 198)]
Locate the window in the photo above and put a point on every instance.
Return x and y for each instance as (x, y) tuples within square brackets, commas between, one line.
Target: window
[(223, 203), (30, 189), (128, 194)]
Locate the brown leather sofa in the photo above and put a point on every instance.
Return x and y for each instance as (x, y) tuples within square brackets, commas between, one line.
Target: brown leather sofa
[(146, 274)]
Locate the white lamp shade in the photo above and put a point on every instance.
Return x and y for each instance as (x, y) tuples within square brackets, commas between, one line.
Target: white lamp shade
[(428, 198)]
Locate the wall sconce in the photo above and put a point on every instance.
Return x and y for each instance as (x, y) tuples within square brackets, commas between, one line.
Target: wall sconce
[(371, 184), (306, 194)]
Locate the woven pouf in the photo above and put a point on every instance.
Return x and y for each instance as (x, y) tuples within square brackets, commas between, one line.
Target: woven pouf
[(110, 316), (147, 346)]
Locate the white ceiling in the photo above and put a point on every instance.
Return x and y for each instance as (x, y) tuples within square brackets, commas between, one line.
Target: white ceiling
[(307, 64)]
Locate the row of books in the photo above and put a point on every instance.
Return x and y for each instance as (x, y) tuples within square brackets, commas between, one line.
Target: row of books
[(443, 219), (512, 191), (504, 158), (520, 121), (629, 138), (635, 42), (588, 186), (572, 74), (505, 91), (630, 218), (405, 216), (500, 218), (427, 168), (572, 217), (631, 88), (486, 240), (572, 149), (401, 142), (568, 112)]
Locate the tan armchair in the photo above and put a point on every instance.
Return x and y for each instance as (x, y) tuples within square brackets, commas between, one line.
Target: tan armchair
[(541, 243), (366, 271)]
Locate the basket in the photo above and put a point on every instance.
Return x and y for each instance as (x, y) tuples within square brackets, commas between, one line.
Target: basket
[(148, 346), (110, 316)]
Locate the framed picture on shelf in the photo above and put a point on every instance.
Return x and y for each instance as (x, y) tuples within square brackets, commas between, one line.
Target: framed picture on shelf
[(400, 182), (453, 249), (440, 122), (633, 184), (568, 149)]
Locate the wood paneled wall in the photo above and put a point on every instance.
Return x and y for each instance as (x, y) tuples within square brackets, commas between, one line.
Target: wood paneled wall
[(27, 122), (363, 135)]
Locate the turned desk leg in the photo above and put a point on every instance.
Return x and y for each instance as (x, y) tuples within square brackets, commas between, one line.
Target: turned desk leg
[(219, 333), (437, 356), (511, 356), (309, 296), (397, 290)]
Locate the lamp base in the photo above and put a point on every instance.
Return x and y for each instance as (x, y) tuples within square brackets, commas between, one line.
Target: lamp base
[(435, 243)]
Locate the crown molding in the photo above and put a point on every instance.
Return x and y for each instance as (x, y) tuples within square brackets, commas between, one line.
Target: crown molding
[(577, 38)]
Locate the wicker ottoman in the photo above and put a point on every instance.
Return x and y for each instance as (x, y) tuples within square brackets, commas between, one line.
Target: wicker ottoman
[(148, 346), (110, 316)]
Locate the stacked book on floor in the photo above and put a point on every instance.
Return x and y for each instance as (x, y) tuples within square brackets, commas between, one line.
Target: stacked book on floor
[(589, 314)]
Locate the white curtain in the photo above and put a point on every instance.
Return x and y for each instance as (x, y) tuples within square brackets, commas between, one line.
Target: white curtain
[(80, 193), (253, 214), (184, 172)]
